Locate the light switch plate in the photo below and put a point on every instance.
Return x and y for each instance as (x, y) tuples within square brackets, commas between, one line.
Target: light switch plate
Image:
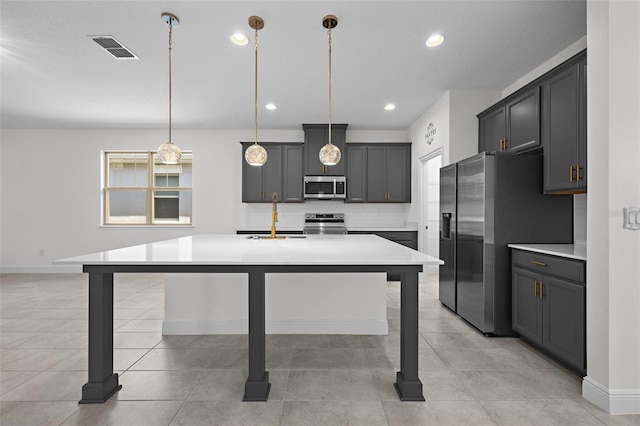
[(631, 218)]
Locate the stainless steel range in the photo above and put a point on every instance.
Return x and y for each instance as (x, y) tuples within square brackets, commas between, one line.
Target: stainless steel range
[(324, 223)]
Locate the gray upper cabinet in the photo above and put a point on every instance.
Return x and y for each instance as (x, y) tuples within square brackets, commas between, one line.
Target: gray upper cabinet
[(292, 173), (356, 173), (493, 128), (388, 173), (512, 125), (378, 173), (281, 174), (564, 128), (315, 137)]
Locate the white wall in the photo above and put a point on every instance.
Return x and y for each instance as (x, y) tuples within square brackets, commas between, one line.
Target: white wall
[(50, 197), (613, 262)]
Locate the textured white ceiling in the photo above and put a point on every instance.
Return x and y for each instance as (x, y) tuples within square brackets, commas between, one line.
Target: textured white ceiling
[(54, 76)]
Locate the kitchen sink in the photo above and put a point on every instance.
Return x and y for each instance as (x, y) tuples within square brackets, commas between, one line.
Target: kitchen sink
[(278, 237)]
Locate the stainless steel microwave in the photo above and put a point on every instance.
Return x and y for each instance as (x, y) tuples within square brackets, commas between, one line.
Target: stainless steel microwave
[(325, 187)]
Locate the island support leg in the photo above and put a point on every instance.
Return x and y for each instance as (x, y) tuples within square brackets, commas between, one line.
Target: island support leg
[(408, 385), (103, 382), (257, 386)]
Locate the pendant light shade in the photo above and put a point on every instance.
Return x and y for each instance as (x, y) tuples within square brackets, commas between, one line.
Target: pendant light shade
[(329, 154), (169, 153), (256, 155)]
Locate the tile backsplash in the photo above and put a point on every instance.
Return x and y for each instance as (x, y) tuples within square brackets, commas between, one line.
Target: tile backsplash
[(291, 216)]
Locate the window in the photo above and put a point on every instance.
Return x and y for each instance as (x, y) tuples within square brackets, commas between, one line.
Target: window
[(139, 190)]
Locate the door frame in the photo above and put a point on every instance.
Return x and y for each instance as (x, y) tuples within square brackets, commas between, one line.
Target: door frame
[(422, 195)]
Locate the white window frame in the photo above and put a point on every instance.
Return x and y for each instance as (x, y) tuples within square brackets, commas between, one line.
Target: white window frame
[(153, 165)]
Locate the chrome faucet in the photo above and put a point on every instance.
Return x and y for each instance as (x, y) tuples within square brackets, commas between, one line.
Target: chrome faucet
[(274, 215)]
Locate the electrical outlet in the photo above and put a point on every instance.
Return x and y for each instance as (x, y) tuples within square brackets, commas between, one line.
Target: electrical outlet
[(41, 252), (631, 218)]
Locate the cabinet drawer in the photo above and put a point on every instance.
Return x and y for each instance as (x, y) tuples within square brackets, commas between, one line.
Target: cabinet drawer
[(550, 265)]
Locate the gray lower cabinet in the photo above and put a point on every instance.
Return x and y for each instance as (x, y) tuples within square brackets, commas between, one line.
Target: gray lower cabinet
[(315, 137), (548, 305), (564, 128), (281, 174), (406, 238), (511, 125)]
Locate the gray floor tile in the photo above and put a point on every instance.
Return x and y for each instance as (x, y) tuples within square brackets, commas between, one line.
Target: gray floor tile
[(228, 385), (49, 386), (139, 325), (123, 359), (178, 359), (315, 379), (13, 340), (508, 385), (328, 358), (11, 379), (193, 341), (539, 412), (157, 385), (436, 413), (335, 385), (236, 413), (33, 359), (322, 413), (134, 413), (136, 340), (57, 341), (35, 413)]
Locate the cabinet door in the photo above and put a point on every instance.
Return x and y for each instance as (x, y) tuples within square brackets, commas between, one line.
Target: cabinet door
[(292, 174), (582, 126), (376, 174), (526, 304), (564, 319), (315, 137), (252, 191), (356, 173), (272, 173), (492, 130), (398, 174), (523, 122), (561, 130)]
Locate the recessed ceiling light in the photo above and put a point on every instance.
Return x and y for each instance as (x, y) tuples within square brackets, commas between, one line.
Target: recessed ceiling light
[(435, 40), (239, 39), (389, 107), (271, 106)]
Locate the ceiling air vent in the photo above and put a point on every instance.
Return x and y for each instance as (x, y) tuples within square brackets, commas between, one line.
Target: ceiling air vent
[(114, 47)]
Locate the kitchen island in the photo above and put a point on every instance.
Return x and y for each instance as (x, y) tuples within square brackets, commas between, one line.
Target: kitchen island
[(255, 257)]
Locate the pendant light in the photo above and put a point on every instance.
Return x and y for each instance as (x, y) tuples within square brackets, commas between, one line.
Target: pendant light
[(168, 152), (329, 154), (256, 155)]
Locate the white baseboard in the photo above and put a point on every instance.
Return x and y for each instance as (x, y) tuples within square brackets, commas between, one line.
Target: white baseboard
[(374, 327), (613, 401), (47, 269)]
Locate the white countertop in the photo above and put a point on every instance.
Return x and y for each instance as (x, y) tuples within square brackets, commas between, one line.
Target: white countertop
[(240, 250), (571, 251)]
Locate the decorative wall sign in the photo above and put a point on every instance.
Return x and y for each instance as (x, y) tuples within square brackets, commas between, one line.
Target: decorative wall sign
[(430, 134)]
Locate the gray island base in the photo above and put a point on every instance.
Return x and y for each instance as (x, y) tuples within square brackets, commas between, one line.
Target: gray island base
[(237, 254)]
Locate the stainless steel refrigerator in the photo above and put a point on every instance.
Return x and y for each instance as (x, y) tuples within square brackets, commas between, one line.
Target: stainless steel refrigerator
[(486, 202)]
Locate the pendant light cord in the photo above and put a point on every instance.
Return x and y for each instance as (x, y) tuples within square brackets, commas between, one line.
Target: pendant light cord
[(170, 42), (329, 33), (255, 98)]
